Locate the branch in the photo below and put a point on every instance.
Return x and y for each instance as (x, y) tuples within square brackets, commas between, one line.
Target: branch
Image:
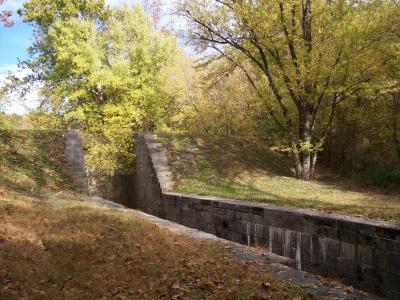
[(253, 84), (306, 24), (289, 40), (263, 64)]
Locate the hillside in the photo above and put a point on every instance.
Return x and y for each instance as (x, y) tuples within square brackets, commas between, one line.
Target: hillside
[(32, 162), (69, 249), (246, 168), (54, 244)]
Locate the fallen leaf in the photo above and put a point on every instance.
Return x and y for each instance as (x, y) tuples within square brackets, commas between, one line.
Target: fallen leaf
[(267, 285), (2, 239), (176, 297)]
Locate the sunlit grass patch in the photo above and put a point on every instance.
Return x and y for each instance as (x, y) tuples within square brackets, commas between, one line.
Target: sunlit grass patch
[(246, 168), (32, 161)]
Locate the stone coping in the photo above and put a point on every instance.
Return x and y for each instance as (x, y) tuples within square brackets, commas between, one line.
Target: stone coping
[(219, 201)]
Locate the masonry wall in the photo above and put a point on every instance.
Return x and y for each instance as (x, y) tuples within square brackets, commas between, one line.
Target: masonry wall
[(118, 188), (75, 159), (362, 253)]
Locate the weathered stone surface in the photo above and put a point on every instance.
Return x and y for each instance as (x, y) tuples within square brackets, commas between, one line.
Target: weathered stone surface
[(75, 159), (281, 267), (364, 253)]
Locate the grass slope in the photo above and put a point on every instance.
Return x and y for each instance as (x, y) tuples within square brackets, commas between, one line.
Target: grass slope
[(54, 245), (245, 168), (32, 161)]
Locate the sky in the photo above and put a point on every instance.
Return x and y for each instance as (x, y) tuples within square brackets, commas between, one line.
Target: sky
[(16, 40)]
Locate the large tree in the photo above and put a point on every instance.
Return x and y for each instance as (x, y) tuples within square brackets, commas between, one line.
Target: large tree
[(102, 70), (307, 57)]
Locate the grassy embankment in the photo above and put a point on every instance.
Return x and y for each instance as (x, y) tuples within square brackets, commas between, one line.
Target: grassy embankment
[(246, 168), (54, 245)]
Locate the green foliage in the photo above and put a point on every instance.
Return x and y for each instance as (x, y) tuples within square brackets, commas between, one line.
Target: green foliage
[(10, 121), (365, 140), (44, 13), (304, 59), (104, 71), (323, 82), (382, 176), (220, 102), (44, 120)]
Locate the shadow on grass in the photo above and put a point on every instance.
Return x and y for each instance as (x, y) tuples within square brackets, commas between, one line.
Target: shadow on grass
[(32, 160), (87, 253), (228, 155)]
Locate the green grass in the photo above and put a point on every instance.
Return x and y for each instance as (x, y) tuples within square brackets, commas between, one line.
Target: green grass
[(246, 168), (32, 161)]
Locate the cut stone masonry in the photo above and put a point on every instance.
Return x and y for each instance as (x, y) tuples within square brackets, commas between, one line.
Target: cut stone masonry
[(363, 253), (76, 161)]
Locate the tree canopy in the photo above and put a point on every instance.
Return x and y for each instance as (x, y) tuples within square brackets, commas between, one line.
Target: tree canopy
[(103, 70), (306, 57), (319, 79)]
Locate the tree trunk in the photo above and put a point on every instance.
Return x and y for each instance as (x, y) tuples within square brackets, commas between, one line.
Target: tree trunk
[(297, 164), (314, 157), (306, 160)]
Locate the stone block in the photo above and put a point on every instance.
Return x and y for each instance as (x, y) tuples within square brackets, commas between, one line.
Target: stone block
[(243, 216), (347, 251), (393, 263), (227, 213), (331, 247), (370, 279), (379, 259), (276, 240), (347, 269), (242, 208), (391, 232), (256, 210), (320, 219), (328, 232), (205, 202), (226, 205), (305, 248), (258, 219), (260, 234), (210, 228), (316, 250)]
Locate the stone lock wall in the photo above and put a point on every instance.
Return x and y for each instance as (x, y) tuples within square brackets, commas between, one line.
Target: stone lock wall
[(76, 161), (363, 253), (117, 188)]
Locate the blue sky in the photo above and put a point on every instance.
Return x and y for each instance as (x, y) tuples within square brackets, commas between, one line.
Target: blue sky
[(16, 40)]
